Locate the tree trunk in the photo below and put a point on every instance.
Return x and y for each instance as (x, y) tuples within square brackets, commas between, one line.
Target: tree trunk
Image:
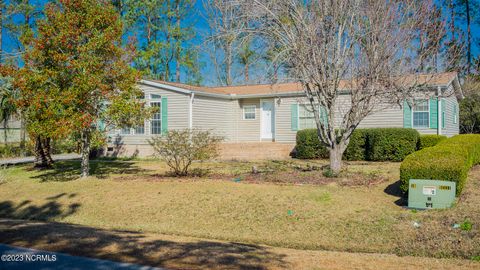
[(47, 151), (452, 19), (275, 73), (246, 73), (336, 160), (469, 37), (228, 65), (38, 152), (178, 45), (177, 68), (1, 29), (43, 158), (85, 168)]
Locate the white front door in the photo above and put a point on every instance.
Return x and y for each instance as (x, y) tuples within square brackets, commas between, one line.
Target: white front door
[(267, 119)]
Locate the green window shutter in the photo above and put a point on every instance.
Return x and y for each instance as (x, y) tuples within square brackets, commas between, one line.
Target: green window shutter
[(164, 115), (101, 125), (433, 113), (294, 116), (407, 115), (444, 109)]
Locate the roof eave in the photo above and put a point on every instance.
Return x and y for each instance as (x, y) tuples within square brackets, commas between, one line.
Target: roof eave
[(166, 86), (458, 87), (454, 82)]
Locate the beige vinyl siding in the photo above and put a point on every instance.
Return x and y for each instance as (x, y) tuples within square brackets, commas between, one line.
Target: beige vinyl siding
[(13, 130), (226, 116), (178, 109), (216, 115), (451, 128), (247, 129), (387, 116)]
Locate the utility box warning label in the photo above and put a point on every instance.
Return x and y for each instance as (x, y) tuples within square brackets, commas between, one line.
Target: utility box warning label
[(429, 190)]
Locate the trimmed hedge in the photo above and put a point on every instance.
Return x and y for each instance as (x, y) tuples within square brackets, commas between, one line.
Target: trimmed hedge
[(450, 160), (375, 144), (429, 140), (309, 146), (357, 145), (381, 144), (390, 144)]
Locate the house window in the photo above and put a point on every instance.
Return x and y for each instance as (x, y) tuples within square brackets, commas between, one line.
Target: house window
[(306, 118), (125, 131), (140, 129), (249, 112), (421, 114), (156, 121), (112, 131)]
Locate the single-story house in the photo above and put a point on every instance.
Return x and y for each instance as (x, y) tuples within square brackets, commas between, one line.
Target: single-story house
[(254, 116)]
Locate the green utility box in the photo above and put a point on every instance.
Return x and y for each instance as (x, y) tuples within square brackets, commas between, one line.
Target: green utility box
[(435, 194)]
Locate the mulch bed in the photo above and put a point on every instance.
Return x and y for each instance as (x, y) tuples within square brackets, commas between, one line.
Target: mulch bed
[(283, 177)]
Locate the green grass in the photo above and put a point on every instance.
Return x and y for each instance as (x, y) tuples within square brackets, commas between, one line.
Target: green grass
[(137, 196)]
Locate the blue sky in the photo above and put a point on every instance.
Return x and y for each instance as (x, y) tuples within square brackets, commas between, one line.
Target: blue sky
[(202, 29)]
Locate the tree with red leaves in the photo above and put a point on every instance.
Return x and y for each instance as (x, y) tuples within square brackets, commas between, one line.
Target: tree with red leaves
[(77, 74)]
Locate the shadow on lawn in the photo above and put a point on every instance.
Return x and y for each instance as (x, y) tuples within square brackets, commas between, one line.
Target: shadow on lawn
[(137, 248), (70, 170), (394, 190), (47, 211)]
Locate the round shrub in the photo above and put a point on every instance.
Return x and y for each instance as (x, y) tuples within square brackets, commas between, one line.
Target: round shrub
[(429, 140)]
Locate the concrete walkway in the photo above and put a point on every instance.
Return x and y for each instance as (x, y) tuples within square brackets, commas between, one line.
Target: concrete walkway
[(23, 160), (25, 258)]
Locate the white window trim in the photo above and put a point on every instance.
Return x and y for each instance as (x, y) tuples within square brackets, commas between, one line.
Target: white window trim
[(413, 114), (123, 134), (134, 130), (156, 100), (254, 112), (152, 98), (298, 114)]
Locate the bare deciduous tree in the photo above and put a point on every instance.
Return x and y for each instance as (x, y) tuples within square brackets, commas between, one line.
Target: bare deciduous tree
[(226, 34), (362, 47)]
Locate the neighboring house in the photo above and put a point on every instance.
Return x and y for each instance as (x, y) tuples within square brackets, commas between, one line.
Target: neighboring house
[(12, 131), (274, 113)]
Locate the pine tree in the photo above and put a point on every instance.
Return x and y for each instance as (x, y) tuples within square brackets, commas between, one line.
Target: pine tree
[(165, 37)]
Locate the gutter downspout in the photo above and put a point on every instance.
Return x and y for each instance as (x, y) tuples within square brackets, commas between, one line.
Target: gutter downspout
[(190, 111), (439, 110)]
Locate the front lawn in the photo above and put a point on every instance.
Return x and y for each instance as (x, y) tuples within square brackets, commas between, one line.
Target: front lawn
[(288, 204)]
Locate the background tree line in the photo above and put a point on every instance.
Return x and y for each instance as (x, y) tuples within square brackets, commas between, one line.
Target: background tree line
[(162, 39)]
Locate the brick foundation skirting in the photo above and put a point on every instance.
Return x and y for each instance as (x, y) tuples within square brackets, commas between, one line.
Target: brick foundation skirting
[(228, 151)]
